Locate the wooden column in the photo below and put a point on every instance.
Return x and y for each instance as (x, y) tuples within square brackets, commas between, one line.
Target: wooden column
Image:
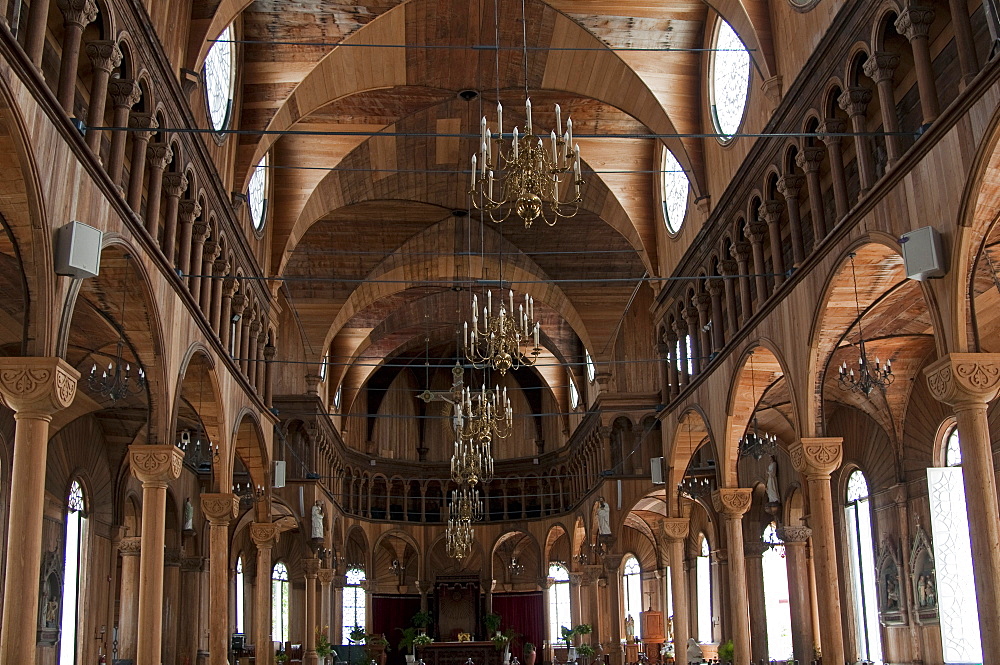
[(158, 157), (125, 94), (144, 125), (35, 389), (855, 101), (753, 555), (680, 331), (703, 301), (731, 503), (663, 374), (199, 234), (265, 536), (238, 304), (325, 577), (914, 23), (190, 628), (243, 355), (105, 56), (269, 351), (741, 253), (789, 186), (174, 185), (77, 15), (755, 232), (816, 459), (188, 210), (718, 330), (34, 38), (967, 59), (612, 610), (969, 382), (673, 381), (210, 250), (810, 160), (675, 530), (155, 466), (220, 270), (770, 213), (128, 604), (258, 374), (219, 509), (728, 268), (799, 596), (229, 285), (880, 68), (172, 617), (835, 146), (311, 567)]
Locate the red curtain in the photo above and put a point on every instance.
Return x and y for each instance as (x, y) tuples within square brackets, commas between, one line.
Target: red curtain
[(390, 613), (524, 613)]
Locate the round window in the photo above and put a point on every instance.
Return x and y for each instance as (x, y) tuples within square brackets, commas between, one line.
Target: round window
[(257, 194), (219, 79), (730, 81), (674, 188)]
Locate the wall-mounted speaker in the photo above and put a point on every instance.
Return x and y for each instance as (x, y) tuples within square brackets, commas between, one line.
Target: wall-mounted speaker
[(656, 470), (922, 253), (279, 473), (78, 250)]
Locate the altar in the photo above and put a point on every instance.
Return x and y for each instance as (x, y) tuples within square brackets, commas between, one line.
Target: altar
[(457, 653)]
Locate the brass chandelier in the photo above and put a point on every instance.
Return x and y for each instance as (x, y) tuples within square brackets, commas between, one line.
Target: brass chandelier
[(502, 340), (527, 178), (464, 508)]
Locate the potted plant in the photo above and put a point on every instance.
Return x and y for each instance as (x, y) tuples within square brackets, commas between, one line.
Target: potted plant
[(323, 647), (422, 620), (406, 642), (492, 623), (280, 655), (421, 640), (357, 635), (529, 653), (585, 652), (726, 652), (501, 640)]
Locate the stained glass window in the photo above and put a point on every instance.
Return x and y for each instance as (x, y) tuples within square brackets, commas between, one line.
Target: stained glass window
[(71, 576), (257, 194), (730, 80), (632, 591), (219, 68), (559, 607), (953, 452), (279, 603), (674, 187), (858, 515), (354, 601)]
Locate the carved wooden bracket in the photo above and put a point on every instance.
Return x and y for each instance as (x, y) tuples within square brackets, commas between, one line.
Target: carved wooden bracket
[(675, 528), (131, 546), (156, 464), (264, 535), (220, 508), (37, 386), (817, 457), (732, 501), (965, 378)]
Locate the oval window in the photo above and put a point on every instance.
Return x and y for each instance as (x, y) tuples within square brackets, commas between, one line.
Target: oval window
[(674, 188), (219, 68), (257, 194), (730, 81)]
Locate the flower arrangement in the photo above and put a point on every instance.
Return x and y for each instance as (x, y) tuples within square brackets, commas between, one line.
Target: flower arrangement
[(422, 640), (323, 646)]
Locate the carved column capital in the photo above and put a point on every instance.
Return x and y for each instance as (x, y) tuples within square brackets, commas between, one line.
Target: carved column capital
[(817, 457), (104, 55), (915, 22), (325, 576), (239, 303), (794, 534), (211, 251), (715, 287), (155, 465), (770, 210), (790, 184), (219, 508), (125, 93), (310, 566), (670, 337), (159, 156), (811, 158), (691, 316), (131, 546), (881, 66), (755, 549), (703, 301), (37, 387), (188, 210), (229, 285), (144, 124), (192, 564), (855, 100), (728, 267), (965, 378), (264, 535), (175, 184), (675, 528), (220, 266), (199, 231), (80, 13), (172, 557), (732, 502), (756, 231)]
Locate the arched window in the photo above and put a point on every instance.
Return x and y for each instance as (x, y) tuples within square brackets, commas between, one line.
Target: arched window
[(674, 188), (257, 194), (591, 368), (240, 598), (686, 340), (730, 82), (948, 582), (75, 527), (703, 578), (574, 395), (354, 601), (775, 580), (279, 603), (337, 396), (323, 366), (632, 591), (559, 607), (862, 557), (219, 70)]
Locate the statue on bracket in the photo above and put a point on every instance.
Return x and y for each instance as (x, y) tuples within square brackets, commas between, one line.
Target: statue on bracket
[(773, 496), (603, 517), (891, 603), (188, 516), (923, 579), (317, 520)]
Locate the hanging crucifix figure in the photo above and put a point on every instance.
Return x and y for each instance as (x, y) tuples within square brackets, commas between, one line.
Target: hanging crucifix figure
[(453, 396)]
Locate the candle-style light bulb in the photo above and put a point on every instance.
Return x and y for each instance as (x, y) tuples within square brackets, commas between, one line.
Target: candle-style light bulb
[(527, 110)]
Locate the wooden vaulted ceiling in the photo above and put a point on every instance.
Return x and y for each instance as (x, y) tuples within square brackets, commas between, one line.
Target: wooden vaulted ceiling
[(374, 166)]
